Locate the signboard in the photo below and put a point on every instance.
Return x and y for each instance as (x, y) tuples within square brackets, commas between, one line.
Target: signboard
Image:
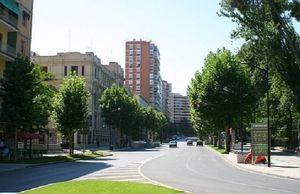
[(259, 140), (20, 145)]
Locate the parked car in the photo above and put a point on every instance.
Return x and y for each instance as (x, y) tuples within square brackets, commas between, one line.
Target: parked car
[(189, 142), (199, 143), (173, 144)]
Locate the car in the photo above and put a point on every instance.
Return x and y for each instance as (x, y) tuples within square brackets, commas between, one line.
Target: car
[(199, 143), (173, 144), (189, 142)]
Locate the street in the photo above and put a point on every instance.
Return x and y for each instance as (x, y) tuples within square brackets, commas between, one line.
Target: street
[(189, 168), (31, 177), (199, 170)]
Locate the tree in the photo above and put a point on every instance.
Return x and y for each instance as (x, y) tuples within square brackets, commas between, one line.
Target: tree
[(20, 83), (267, 26), (118, 108), (70, 107), (150, 119), (221, 93), (42, 105)]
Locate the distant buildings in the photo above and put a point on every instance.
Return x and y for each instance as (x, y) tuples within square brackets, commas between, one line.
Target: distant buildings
[(142, 72), (98, 77), (166, 93), (179, 109), (15, 34)]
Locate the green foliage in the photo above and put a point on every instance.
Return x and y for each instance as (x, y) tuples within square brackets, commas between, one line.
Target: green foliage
[(267, 26), (21, 84), (70, 107), (44, 99), (122, 111), (220, 92), (118, 107)]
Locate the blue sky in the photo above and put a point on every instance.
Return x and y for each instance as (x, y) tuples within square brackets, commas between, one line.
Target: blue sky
[(184, 31)]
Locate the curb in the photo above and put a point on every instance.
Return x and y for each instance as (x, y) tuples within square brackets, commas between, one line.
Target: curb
[(251, 170), (156, 182)]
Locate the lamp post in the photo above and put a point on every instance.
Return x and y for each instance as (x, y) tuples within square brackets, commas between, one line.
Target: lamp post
[(266, 74)]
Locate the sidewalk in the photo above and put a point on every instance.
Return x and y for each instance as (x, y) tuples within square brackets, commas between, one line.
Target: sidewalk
[(282, 164)]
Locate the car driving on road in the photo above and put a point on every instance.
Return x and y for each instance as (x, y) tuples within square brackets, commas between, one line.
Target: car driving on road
[(199, 142), (173, 144), (189, 142)]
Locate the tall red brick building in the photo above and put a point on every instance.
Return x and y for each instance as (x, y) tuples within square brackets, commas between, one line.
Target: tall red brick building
[(142, 71)]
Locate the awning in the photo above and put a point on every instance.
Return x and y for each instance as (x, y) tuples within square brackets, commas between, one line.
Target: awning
[(11, 5)]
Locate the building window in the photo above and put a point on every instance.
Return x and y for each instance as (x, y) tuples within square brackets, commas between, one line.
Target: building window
[(138, 82), (138, 64), (130, 64), (74, 68), (130, 76), (25, 18), (82, 70), (66, 71), (138, 76), (151, 82), (137, 88), (130, 82), (138, 69), (45, 69), (130, 70)]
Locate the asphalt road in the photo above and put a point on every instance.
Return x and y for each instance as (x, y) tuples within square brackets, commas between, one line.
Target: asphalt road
[(199, 170), (31, 177)]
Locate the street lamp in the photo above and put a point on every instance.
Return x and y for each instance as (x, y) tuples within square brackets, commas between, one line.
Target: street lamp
[(266, 74)]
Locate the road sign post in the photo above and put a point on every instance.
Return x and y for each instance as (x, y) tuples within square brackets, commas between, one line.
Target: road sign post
[(259, 141)]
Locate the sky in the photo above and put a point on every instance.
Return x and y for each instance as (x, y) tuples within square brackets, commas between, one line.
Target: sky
[(185, 31)]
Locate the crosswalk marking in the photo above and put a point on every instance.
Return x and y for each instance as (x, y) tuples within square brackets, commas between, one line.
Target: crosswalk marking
[(124, 173)]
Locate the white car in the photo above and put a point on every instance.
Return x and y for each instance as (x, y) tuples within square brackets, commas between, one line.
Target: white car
[(173, 144)]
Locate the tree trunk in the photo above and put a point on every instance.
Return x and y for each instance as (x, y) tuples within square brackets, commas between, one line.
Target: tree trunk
[(70, 144), (16, 146), (219, 140), (227, 139), (47, 142), (30, 148), (290, 132)]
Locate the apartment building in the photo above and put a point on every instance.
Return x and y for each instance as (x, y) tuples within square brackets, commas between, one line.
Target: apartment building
[(15, 34), (97, 78), (179, 108), (142, 73), (166, 92)]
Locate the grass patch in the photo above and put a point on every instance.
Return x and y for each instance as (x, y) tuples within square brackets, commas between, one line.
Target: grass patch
[(220, 150), (88, 155), (103, 187)]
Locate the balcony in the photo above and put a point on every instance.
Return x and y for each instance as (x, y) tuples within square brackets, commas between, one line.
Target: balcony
[(8, 52), (7, 20)]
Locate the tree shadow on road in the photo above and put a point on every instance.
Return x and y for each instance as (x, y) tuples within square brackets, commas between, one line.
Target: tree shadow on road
[(32, 177)]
